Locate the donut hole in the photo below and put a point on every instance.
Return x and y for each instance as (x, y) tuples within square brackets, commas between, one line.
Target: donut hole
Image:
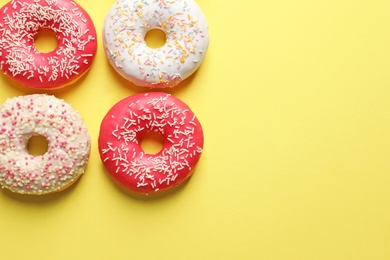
[(45, 40), (155, 38), (37, 145), (152, 142)]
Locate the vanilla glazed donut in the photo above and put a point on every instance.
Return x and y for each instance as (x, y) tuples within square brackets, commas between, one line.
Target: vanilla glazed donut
[(21, 20), (122, 129), (68, 144), (187, 40)]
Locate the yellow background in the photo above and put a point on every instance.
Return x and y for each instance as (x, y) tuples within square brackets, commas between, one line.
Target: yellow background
[(294, 100)]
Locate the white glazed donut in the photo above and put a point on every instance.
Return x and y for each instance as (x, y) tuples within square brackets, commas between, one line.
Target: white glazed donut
[(68, 144), (187, 40)]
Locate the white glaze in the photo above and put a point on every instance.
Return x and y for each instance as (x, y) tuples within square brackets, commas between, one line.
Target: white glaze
[(186, 30), (68, 144)]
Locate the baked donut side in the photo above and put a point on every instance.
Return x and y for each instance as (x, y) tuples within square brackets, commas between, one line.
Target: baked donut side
[(68, 144), (20, 21), (121, 132), (186, 29)]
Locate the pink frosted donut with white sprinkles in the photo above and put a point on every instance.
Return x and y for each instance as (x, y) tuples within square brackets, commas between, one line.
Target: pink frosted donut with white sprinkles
[(21, 20), (68, 144), (125, 124), (186, 30)]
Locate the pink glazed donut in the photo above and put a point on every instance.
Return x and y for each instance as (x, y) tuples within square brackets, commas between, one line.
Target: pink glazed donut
[(122, 129), (21, 20)]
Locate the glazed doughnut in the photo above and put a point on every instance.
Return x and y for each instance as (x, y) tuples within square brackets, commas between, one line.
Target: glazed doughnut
[(68, 144), (122, 129), (21, 20), (186, 30)]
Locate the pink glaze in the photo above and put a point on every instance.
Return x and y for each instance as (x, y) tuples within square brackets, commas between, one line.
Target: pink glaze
[(122, 129), (21, 20)]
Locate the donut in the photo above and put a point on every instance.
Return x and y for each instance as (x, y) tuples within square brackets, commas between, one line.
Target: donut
[(21, 21), (125, 124), (186, 30), (68, 144)]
